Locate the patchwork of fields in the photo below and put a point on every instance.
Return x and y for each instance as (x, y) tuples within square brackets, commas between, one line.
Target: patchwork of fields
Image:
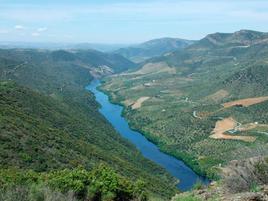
[(199, 111)]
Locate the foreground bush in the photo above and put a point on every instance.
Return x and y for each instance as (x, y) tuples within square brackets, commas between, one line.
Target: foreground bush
[(100, 184)]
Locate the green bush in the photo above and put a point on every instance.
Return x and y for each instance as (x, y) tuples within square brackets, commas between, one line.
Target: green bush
[(102, 183), (254, 187)]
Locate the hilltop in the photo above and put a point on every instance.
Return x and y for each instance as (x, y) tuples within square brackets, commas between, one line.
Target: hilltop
[(153, 48)]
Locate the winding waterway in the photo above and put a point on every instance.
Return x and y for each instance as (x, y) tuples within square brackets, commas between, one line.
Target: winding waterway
[(175, 167)]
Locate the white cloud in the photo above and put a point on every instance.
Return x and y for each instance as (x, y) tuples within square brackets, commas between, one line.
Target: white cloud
[(176, 10), (128, 19), (19, 27), (42, 29), (35, 34)]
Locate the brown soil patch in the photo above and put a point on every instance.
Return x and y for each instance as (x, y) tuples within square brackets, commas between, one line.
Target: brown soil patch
[(203, 114), (218, 96), (228, 124), (251, 126), (247, 127), (139, 102), (128, 102), (246, 102)]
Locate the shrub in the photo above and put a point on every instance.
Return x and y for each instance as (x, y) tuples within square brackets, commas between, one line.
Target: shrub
[(102, 183), (254, 188), (16, 193)]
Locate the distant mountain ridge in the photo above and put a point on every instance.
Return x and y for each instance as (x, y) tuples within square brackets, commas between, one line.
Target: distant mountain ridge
[(242, 37), (218, 48), (98, 63), (62, 46), (153, 48)]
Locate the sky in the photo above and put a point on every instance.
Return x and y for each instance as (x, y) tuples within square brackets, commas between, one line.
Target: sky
[(128, 21)]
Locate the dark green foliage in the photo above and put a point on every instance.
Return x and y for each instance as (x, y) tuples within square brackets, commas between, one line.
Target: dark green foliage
[(102, 183), (249, 82), (53, 123)]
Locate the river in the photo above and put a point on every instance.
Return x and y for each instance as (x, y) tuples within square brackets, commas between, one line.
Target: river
[(177, 168)]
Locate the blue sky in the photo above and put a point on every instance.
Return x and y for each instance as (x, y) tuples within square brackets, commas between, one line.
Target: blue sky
[(129, 21)]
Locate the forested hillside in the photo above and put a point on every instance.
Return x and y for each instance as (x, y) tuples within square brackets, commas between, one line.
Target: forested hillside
[(99, 64), (49, 121)]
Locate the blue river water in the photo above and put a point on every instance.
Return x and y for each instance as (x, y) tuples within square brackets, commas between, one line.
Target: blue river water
[(177, 168)]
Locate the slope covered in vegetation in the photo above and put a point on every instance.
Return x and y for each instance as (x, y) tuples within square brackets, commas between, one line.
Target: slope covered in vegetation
[(186, 90), (153, 48), (49, 121)]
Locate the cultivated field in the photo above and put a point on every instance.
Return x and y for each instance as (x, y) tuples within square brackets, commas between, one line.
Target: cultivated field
[(246, 102), (139, 102), (154, 68), (225, 125)]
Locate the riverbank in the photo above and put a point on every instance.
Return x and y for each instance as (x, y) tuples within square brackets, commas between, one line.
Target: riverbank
[(187, 159), (115, 114)]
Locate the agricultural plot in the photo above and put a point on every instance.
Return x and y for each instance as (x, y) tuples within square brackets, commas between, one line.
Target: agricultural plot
[(139, 102), (227, 124), (192, 97), (246, 102)]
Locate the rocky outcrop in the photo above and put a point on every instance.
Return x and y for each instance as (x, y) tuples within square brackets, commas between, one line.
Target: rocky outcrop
[(245, 180), (244, 175)]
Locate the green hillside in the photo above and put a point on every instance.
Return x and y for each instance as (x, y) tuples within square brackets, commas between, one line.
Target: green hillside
[(153, 48), (95, 61), (185, 92), (49, 121)]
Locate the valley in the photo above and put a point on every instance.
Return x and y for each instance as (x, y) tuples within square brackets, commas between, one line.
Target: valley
[(124, 100), (186, 177), (49, 122), (198, 95), (146, 131)]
